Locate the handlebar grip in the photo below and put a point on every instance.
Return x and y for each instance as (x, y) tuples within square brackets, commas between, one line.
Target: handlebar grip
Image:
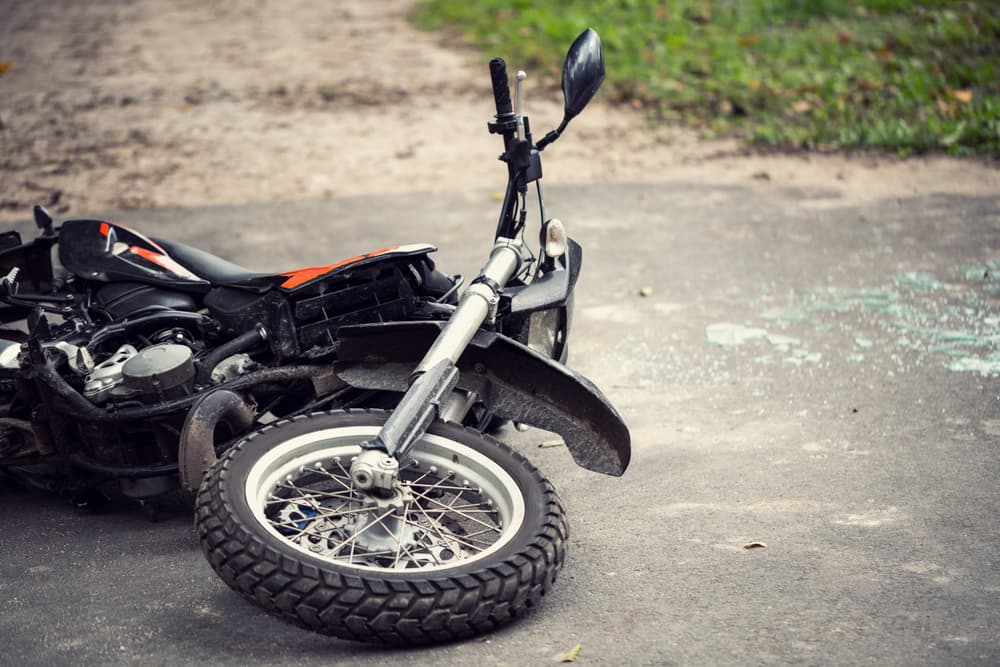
[(501, 89)]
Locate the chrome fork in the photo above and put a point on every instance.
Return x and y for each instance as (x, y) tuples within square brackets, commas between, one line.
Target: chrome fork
[(433, 381)]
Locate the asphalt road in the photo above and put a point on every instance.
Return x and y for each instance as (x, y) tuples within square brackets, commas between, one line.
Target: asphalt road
[(817, 377)]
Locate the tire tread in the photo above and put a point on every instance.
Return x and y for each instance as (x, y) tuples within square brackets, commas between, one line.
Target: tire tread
[(435, 608)]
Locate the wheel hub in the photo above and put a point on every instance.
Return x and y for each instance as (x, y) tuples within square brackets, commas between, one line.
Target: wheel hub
[(386, 531)]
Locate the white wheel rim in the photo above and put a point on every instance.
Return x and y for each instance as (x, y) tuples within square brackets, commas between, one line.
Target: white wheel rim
[(455, 505)]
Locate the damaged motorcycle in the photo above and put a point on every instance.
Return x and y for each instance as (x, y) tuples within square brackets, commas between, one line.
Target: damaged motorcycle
[(332, 423)]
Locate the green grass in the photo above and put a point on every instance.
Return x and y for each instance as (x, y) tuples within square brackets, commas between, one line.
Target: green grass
[(906, 76)]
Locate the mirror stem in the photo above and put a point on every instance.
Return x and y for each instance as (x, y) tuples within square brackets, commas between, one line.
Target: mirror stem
[(553, 135)]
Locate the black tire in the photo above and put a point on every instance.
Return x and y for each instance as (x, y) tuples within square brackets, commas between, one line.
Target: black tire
[(391, 606)]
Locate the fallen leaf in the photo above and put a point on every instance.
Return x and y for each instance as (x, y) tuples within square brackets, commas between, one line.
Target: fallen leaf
[(754, 84), (962, 95), (496, 196), (4, 68), (844, 37), (755, 545), (552, 443), (753, 39), (571, 655), (802, 106)]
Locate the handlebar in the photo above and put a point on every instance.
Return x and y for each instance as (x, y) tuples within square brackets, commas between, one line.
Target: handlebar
[(501, 89)]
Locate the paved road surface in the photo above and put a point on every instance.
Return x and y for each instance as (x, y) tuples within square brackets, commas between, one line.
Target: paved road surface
[(817, 377)]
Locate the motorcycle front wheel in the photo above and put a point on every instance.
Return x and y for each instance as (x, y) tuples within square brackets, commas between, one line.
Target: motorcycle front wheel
[(472, 538)]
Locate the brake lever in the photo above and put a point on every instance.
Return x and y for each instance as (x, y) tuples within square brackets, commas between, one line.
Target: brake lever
[(8, 284), (518, 92)]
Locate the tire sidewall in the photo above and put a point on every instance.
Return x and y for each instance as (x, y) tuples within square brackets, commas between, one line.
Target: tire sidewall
[(240, 460)]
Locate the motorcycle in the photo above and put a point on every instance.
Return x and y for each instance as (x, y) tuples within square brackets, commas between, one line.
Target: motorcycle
[(332, 423)]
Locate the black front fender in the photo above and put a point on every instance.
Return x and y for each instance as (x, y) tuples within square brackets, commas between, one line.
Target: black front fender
[(514, 380)]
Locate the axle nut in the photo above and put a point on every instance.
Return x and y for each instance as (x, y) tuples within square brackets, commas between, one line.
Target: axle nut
[(374, 470)]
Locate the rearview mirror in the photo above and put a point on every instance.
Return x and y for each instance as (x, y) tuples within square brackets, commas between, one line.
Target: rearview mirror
[(583, 72)]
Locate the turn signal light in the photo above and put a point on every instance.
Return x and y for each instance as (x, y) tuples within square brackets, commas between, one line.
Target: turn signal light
[(555, 238)]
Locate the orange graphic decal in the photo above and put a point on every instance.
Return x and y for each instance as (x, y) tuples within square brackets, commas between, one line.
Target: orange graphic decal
[(300, 276), (105, 228), (165, 261), (147, 255)]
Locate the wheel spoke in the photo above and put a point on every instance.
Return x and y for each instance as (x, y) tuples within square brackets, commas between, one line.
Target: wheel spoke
[(416, 482), (350, 556), (344, 470), (430, 522), (312, 493), (457, 504), (441, 487), (361, 532), (436, 486), (335, 478), (469, 536), (452, 538), (470, 518), (465, 511), (399, 542), (455, 499)]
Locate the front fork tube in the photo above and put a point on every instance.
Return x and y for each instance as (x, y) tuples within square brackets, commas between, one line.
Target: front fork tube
[(435, 377)]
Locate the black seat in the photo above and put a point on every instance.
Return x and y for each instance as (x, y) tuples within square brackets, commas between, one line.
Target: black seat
[(206, 265)]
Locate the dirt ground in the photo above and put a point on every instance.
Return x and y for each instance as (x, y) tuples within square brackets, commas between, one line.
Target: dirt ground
[(148, 103)]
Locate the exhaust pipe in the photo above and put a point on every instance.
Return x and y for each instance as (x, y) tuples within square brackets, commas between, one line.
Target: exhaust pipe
[(196, 451)]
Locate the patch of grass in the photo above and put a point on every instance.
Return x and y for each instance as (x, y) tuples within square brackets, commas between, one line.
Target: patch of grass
[(907, 76)]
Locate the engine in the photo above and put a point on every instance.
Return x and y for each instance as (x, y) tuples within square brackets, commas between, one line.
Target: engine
[(132, 349), (155, 373)]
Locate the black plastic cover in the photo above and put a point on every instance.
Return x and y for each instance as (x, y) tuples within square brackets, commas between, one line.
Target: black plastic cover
[(238, 310), (106, 251), (121, 299), (514, 380), (10, 239), (550, 290)]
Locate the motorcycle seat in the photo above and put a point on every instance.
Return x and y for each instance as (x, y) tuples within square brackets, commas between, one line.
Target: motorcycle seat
[(205, 265)]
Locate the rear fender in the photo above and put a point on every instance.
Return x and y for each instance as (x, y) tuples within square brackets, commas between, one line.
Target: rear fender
[(514, 380)]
